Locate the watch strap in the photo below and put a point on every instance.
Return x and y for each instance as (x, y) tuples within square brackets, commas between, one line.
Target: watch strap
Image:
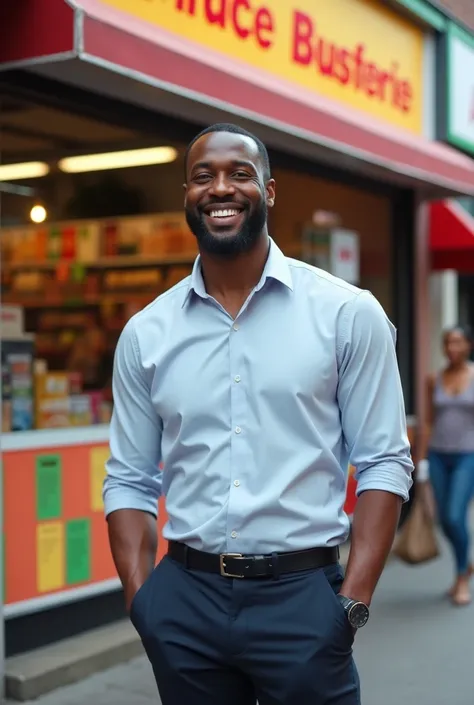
[(346, 602)]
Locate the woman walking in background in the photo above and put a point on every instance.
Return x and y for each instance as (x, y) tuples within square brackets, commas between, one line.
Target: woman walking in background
[(450, 446)]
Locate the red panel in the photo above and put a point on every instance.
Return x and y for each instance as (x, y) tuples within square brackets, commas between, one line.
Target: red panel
[(75, 476), (351, 498), (162, 519), (459, 260), (35, 28), (451, 227), (102, 565), (451, 237), (272, 99), (20, 523)]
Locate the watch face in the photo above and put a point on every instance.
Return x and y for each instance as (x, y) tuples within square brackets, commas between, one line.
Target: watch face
[(358, 615)]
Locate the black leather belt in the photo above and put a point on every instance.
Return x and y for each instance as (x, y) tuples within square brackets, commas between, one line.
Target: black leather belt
[(236, 565)]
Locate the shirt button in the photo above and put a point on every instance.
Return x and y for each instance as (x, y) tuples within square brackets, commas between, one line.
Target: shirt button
[(237, 378), (234, 534), (238, 429), (237, 483), (235, 326)]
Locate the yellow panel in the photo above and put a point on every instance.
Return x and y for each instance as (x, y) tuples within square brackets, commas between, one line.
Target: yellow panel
[(50, 556), (98, 458)]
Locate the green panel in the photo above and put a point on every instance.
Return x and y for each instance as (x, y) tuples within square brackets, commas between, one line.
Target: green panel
[(426, 12), (78, 551), (48, 487)]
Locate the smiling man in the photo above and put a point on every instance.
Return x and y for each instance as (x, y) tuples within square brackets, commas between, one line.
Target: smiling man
[(255, 380)]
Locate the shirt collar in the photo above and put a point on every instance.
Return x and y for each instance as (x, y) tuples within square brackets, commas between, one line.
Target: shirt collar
[(276, 267)]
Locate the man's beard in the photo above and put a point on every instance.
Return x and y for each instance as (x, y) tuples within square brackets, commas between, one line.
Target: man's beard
[(243, 241)]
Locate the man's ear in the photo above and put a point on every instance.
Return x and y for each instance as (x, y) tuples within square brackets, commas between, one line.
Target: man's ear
[(270, 192)]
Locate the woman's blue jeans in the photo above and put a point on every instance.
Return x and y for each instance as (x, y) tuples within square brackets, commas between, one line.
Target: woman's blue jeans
[(452, 479)]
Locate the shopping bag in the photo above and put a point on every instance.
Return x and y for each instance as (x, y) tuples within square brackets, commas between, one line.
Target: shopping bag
[(416, 542)]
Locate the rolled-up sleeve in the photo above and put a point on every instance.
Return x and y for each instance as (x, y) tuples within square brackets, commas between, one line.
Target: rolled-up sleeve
[(371, 400), (133, 477)]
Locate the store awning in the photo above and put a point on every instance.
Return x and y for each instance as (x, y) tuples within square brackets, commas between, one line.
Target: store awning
[(104, 49), (451, 237)]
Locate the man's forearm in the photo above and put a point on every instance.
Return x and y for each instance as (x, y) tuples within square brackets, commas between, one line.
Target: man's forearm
[(375, 523), (133, 542)]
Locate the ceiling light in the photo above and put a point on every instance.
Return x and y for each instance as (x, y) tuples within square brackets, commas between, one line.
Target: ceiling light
[(38, 214), (118, 160), (25, 170)]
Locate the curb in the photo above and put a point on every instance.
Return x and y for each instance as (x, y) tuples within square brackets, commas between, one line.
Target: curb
[(29, 675)]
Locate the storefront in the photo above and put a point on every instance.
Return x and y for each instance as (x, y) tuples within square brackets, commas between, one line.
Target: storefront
[(343, 109)]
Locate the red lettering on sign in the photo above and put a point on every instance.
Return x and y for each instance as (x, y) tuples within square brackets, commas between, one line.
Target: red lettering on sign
[(406, 96), (303, 31), (215, 12), (264, 27), (348, 66), (244, 18), (342, 71), (237, 12)]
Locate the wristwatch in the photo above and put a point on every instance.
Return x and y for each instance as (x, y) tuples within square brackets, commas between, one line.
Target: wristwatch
[(357, 612)]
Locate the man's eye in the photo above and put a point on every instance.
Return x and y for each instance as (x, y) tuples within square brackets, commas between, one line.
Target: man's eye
[(202, 177), (241, 175)]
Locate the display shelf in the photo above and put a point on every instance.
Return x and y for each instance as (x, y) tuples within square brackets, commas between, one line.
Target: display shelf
[(57, 437), (91, 300), (105, 262)]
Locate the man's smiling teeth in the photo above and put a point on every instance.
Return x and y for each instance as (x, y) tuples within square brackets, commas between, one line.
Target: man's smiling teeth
[(224, 214)]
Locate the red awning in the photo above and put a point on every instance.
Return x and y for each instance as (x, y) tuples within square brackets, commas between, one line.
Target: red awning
[(451, 237), (95, 40)]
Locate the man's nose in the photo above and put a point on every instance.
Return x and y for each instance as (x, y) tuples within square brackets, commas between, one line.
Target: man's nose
[(222, 186)]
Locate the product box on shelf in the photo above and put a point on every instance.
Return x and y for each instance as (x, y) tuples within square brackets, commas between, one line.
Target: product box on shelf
[(52, 400), (12, 321), (80, 410), (88, 242), (17, 383)]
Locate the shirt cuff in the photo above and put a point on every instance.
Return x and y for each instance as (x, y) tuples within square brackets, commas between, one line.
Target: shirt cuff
[(389, 478), (116, 499)]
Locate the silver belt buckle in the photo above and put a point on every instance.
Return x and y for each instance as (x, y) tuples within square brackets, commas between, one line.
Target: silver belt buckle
[(223, 557)]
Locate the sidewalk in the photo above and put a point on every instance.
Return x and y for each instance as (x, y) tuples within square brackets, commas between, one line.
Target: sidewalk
[(126, 684)]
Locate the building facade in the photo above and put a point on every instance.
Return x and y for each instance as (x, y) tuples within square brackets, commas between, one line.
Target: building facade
[(349, 111)]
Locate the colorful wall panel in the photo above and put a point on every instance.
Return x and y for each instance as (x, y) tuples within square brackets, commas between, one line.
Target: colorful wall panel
[(54, 527)]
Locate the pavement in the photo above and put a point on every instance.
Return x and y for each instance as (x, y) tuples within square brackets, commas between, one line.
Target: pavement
[(416, 649)]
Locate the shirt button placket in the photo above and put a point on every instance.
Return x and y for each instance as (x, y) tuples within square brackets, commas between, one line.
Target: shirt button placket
[(238, 416)]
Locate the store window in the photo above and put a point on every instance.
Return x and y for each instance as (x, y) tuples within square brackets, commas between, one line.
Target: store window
[(92, 230)]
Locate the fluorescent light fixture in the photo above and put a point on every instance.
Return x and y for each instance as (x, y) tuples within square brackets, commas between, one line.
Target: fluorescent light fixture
[(118, 160), (25, 170)]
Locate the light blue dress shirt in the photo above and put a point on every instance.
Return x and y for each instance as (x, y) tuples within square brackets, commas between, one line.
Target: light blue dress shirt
[(257, 418)]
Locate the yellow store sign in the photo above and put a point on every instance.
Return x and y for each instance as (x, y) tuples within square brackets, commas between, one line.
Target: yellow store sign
[(358, 52)]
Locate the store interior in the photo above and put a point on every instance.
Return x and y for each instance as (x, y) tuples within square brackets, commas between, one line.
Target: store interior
[(92, 229)]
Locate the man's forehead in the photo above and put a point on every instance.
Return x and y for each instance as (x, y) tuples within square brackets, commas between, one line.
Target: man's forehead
[(219, 145)]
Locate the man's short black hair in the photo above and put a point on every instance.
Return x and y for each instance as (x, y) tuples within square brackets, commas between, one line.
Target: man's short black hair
[(234, 130)]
